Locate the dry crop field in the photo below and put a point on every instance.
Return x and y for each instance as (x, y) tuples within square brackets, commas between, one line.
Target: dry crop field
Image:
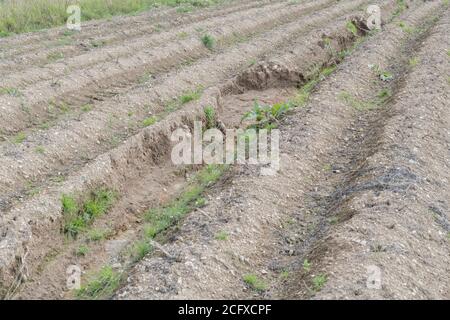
[(90, 196)]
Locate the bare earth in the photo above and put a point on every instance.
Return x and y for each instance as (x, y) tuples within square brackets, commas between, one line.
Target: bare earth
[(362, 197)]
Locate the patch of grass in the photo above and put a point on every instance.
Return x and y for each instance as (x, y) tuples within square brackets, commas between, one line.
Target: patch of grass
[(303, 94), (401, 6), (98, 234), (355, 103), (19, 137), (185, 97), (39, 149), (77, 216), (222, 236), (18, 16), (161, 218), (254, 282), (86, 107), (210, 116), (284, 275), (97, 43), (351, 27), (267, 116), (13, 92), (413, 62), (140, 250), (306, 265), (145, 77), (149, 121), (183, 35), (189, 96), (32, 189), (100, 286), (208, 41), (319, 281), (405, 27), (82, 251), (251, 62), (384, 75), (55, 56)]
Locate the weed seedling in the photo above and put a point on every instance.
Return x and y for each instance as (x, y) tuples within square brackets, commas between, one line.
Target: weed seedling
[(319, 281), (210, 117), (149, 121), (306, 265), (82, 251), (19, 138), (13, 92), (208, 41), (413, 62), (351, 27), (222, 235), (255, 283), (140, 250), (78, 216), (101, 285)]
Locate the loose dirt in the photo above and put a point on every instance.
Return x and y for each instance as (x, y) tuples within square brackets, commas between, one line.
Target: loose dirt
[(358, 210)]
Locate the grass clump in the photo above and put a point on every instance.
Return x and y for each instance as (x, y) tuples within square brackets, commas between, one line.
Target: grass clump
[(210, 116), (39, 149), (413, 62), (189, 96), (149, 121), (78, 216), (302, 96), (384, 75), (140, 250), (306, 265), (208, 41), (82, 251), (405, 27), (319, 281), (222, 236), (401, 6), (13, 92), (267, 116), (354, 102), (161, 218), (255, 283), (55, 56), (351, 27), (98, 234), (186, 97), (100, 286), (19, 138)]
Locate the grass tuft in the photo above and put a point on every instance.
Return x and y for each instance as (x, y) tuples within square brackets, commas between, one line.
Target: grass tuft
[(210, 116), (149, 121), (13, 92), (319, 281), (254, 282), (78, 216), (351, 27), (222, 236), (161, 218), (100, 286), (208, 41)]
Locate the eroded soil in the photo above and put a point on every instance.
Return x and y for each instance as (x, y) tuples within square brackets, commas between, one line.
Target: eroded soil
[(359, 208)]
